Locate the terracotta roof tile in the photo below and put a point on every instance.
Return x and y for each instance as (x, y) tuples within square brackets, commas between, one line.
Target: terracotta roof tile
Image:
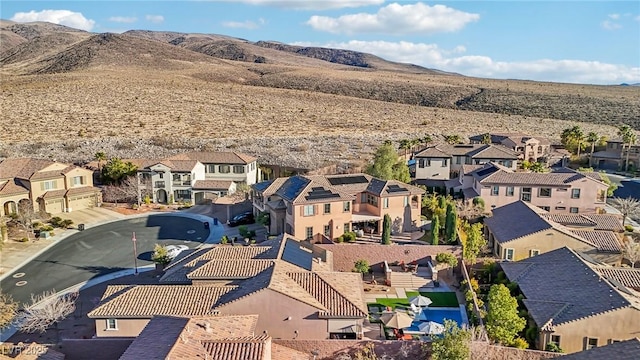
[(627, 277), (433, 152), (339, 293), (597, 221), (230, 269), (606, 241), (280, 352), (146, 301), (43, 175), (490, 151), (555, 178), (12, 187), (54, 194), (82, 190), (22, 168), (212, 184)]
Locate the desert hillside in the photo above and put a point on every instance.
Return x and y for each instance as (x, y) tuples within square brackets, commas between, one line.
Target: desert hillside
[(67, 94)]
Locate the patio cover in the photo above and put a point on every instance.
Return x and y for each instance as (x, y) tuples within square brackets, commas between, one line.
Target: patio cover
[(358, 218)]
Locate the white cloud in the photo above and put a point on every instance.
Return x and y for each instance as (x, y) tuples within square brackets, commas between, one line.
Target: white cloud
[(637, 18), (313, 4), (156, 19), (432, 56), (61, 17), (123, 19), (247, 24), (397, 19), (614, 16), (610, 25)]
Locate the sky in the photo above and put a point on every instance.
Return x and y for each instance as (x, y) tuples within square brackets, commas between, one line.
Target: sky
[(592, 42)]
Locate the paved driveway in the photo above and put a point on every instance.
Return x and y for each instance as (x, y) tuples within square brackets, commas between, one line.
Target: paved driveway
[(101, 250)]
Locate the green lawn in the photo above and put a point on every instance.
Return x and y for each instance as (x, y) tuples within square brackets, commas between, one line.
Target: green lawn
[(440, 299)]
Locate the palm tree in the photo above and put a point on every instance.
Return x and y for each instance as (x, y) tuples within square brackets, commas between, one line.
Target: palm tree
[(486, 138), (578, 136), (592, 138), (573, 135), (426, 140), (405, 145), (453, 139), (100, 156), (629, 138)]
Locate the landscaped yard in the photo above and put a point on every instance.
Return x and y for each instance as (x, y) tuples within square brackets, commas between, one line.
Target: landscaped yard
[(440, 299)]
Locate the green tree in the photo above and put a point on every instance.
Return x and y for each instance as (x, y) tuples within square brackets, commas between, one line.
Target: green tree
[(387, 166), (592, 138), (100, 156), (405, 144), (538, 167), (629, 138), (116, 170), (453, 344), (426, 140), (361, 266), (612, 186), (472, 241), (450, 230), (442, 202), (572, 138), (435, 230), (386, 230), (486, 138), (160, 255), (453, 139), (447, 258), (503, 322)]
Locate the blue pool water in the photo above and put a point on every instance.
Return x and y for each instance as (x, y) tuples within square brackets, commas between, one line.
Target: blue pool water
[(437, 315)]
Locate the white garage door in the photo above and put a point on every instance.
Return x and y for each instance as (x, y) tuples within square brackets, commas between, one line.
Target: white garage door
[(82, 202)]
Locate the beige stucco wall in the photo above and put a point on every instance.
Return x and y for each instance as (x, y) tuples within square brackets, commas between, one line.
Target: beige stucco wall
[(335, 219), (14, 198), (436, 169), (544, 241), (402, 217), (87, 176), (622, 324), (36, 187), (585, 204), (126, 327), (274, 310)]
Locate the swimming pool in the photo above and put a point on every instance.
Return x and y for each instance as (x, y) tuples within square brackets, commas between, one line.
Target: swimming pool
[(437, 315)]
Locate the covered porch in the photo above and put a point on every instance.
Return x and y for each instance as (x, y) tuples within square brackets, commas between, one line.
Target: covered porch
[(364, 223)]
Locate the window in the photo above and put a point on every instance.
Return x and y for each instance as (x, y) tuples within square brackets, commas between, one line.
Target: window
[(161, 175), (573, 210), (509, 191), (421, 163), (308, 210), (385, 203), (539, 149), (176, 177), (309, 232), (508, 163), (546, 208), (372, 200), (238, 169), (112, 324), (327, 208), (346, 206), (534, 252), (347, 227), (555, 339), (225, 169), (211, 168), (561, 208), (363, 198), (591, 343), (182, 194), (458, 160), (445, 163), (575, 193), (78, 180), (601, 195), (427, 162), (327, 231), (289, 209), (495, 190), (508, 253), (526, 194), (48, 185), (544, 192)]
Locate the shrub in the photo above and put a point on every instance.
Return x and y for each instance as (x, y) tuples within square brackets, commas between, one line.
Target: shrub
[(243, 230), (361, 266), (55, 221), (47, 228), (447, 258), (478, 201), (160, 255), (147, 199), (66, 223), (37, 225), (628, 228), (553, 347), (134, 206), (520, 343), (340, 239), (24, 239), (224, 239), (349, 236)]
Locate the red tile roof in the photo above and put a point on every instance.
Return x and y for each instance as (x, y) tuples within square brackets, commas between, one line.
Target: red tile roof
[(220, 157), (212, 185), (22, 168), (12, 187)]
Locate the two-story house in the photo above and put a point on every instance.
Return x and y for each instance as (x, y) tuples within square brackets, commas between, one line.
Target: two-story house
[(445, 161), (528, 147), (615, 155), (194, 176), (45, 186), (559, 191), (326, 206)]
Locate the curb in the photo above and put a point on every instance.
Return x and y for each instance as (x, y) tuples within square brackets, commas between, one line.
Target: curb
[(10, 331), (70, 232)]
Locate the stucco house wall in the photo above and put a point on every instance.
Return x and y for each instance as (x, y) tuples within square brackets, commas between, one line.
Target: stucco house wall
[(335, 219), (433, 168), (125, 327), (621, 324), (543, 241)]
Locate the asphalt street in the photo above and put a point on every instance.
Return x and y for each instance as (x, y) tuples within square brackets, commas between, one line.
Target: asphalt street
[(101, 250)]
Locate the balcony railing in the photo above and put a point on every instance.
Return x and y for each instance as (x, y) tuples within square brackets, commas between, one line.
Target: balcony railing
[(159, 184), (181, 183)]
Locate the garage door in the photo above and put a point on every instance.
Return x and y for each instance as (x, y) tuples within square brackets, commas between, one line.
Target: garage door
[(81, 202), (55, 206)]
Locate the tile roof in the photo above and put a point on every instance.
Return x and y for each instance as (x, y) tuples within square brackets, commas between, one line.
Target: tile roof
[(22, 168), (626, 276), (623, 350), (608, 155), (609, 222), (280, 352), (146, 301), (459, 149), (392, 187), (43, 175), (212, 184), (179, 165), (220, 157), (466, 168), (515, 220), (516, 138), (82, 190), (271, 186), (230, 269), (577, 291), (554, 178), (167, 337), (606, 241), (339, 293), (54, 194), (432, 152), (490, 151), (345, 255), (12, 187)]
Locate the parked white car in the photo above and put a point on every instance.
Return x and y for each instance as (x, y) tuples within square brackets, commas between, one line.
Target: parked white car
[(175, 250)]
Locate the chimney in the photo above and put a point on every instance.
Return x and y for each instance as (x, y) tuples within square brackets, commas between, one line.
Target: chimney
[(207, 327)]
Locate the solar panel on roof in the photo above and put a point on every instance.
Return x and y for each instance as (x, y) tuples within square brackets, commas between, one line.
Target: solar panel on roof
[(347, 180), (293, 186), (487, 171), (395, 188), (320, 193)]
